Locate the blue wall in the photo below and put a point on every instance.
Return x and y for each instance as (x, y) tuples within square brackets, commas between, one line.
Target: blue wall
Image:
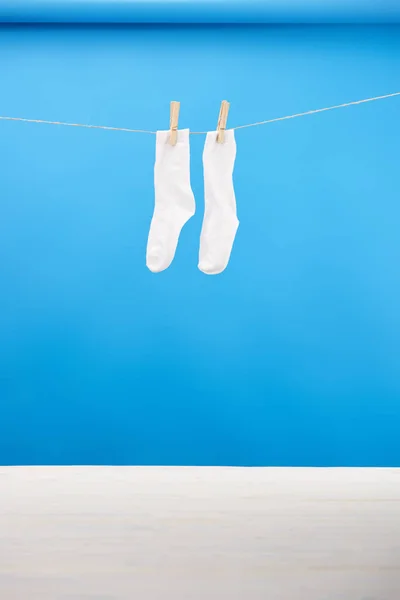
[(290, 357)]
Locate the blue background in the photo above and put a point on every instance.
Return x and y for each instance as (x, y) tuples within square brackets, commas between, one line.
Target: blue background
[(200, 11), (291, 356)]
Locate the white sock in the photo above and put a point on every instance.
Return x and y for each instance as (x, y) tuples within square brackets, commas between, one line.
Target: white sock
[(220, 221), (174, 200)]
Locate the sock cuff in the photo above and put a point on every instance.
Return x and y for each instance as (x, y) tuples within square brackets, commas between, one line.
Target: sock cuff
[(229, 137), (162, 137)]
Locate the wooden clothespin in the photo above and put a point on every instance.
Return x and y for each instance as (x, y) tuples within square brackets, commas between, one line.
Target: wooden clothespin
[(173, 122), (222, 119)]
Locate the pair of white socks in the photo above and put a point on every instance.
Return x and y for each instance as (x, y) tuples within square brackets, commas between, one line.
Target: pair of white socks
[(175, 203)]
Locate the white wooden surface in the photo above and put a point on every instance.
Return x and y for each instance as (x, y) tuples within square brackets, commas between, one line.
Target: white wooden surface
[(199, 533)]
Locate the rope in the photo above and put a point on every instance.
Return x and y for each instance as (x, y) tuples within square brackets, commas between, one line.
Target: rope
[(319, 110), (76, 125), (303, 114)]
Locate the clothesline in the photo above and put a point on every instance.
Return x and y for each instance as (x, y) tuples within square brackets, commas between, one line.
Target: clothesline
[(107, 128)]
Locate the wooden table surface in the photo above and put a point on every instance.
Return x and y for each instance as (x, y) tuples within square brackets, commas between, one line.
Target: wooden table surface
[(149, 533)]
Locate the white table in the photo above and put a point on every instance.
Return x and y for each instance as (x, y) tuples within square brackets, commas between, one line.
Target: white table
[(148, 533)]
